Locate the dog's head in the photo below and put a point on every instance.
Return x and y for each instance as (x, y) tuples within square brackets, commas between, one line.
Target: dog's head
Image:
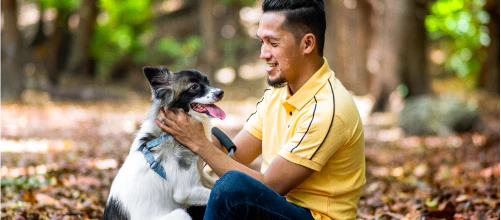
[(187, 89)]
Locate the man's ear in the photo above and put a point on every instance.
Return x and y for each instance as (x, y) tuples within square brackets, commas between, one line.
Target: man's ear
[(310, 42), (158, 77)]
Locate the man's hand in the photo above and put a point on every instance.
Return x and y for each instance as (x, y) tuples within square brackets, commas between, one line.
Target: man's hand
[(183, 128)]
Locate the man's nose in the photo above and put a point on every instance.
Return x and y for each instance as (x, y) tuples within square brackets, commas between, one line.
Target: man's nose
[(265, 52)]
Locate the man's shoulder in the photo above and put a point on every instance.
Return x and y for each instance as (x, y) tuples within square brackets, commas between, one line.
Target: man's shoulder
[(338, 99)]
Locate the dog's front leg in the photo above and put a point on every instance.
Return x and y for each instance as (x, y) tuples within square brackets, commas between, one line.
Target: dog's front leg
[(196, 196), (178, 214)]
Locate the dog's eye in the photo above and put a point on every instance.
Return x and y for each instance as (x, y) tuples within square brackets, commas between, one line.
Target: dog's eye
[(194, 87)]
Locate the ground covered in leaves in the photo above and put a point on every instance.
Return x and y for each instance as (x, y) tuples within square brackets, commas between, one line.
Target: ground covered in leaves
[(59, 159)]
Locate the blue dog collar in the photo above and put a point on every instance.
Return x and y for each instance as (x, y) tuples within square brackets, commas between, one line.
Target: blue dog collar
[(145, 149), (159, 169)]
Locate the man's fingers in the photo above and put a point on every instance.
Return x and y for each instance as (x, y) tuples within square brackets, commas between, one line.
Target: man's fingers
[(171, 114), (163, 126), (162, 115), (181, 114)]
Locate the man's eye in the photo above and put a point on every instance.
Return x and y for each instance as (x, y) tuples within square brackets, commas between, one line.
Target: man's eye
[(273, 44)]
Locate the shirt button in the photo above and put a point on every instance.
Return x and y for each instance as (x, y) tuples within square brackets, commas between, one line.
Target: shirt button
[(290, 113)]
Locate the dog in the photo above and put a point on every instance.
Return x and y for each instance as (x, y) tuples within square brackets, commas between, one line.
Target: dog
[(139, 191)]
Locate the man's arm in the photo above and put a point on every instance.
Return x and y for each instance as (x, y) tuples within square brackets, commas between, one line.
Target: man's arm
[(282, 175), (249, 147)]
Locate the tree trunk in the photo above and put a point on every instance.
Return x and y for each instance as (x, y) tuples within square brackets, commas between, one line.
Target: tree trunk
[(58, 47), (209, 35), (347, 42), (389, 44), (12, 72), (489, 77), (415, 75), (79, 59), (40, 37)]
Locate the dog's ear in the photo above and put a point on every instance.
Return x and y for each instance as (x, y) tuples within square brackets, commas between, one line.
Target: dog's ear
[(157, 76), (159, 82)]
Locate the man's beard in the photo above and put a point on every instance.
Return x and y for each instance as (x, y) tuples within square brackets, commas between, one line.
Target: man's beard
[(278, 82)]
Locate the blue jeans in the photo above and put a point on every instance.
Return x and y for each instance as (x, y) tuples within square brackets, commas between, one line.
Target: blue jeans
[(239, 196)]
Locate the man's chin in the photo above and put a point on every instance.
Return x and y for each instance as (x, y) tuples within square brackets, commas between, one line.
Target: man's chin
[(277, 83)]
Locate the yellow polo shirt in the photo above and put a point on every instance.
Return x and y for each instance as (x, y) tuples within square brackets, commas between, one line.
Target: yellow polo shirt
[(303, 129)]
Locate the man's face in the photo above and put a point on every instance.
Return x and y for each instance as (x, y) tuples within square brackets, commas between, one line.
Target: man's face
[(279, 49)]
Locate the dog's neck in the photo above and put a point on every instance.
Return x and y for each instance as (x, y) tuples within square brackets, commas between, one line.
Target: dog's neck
[(151, 127)]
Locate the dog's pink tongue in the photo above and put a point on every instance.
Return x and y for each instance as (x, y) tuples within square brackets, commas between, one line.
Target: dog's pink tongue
[(215, 111)]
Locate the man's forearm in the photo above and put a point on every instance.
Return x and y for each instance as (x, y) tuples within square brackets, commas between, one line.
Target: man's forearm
[(221, 163)]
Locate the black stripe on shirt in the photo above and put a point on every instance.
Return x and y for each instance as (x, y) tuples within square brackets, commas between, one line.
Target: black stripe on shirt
[(312, 117), (332, 120), (262, 99)]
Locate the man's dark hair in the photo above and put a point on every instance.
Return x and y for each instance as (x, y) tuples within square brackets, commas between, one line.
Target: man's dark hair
[(301, 17)]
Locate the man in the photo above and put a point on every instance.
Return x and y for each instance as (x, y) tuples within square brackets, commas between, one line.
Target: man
[(306, 127)]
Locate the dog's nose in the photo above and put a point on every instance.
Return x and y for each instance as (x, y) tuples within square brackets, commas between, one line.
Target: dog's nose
[(219, 94)]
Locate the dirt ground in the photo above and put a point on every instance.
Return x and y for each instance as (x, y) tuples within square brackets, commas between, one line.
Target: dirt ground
[(59, 159)]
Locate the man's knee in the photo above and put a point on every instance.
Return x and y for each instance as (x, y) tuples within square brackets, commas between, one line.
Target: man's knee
[(234, 184)]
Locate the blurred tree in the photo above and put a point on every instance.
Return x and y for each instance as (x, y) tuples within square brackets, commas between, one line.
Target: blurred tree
[(79, 62), (489, 76), (388, 44), (237, 47), (175, 41), (378, 46), (117, 44), (209, 35), (59, 40), (398, 51), (12, 71), (347, 41), (196, 36), (461, 27), (416, 80), (40, 36)]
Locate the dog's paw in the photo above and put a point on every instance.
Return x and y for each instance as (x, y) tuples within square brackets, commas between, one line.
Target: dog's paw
[(178, 214), (180, 197)]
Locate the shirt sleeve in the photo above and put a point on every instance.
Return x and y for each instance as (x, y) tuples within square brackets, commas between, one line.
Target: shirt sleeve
[(318, 135), (254, 124)]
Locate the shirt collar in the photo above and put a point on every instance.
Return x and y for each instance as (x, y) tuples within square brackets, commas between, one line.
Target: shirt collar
[(311, 87)]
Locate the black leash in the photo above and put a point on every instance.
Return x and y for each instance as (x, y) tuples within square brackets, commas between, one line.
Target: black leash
[(225, 140)]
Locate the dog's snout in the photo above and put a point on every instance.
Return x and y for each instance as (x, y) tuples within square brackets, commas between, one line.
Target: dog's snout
[(219, 94)]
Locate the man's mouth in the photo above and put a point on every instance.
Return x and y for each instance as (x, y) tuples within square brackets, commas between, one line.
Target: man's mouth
[(270, 66), (209, 109)]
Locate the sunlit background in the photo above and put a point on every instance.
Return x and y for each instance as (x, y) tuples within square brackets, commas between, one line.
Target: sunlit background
[(423, 73)]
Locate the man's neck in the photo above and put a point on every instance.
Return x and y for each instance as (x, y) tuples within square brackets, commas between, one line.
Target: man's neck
[(310, 68)]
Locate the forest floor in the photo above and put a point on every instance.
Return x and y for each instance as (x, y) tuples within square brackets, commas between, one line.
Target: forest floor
[(59, 160)]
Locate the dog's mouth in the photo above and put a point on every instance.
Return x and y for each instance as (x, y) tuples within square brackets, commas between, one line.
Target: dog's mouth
[(209, 109)]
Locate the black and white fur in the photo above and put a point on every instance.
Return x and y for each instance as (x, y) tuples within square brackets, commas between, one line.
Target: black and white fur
[(137, 191)]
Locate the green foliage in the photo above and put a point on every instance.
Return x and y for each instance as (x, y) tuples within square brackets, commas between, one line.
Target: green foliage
[(24, 182), (67, 5), (183, 53), (244, 2), (461, 27), (120, 27)]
